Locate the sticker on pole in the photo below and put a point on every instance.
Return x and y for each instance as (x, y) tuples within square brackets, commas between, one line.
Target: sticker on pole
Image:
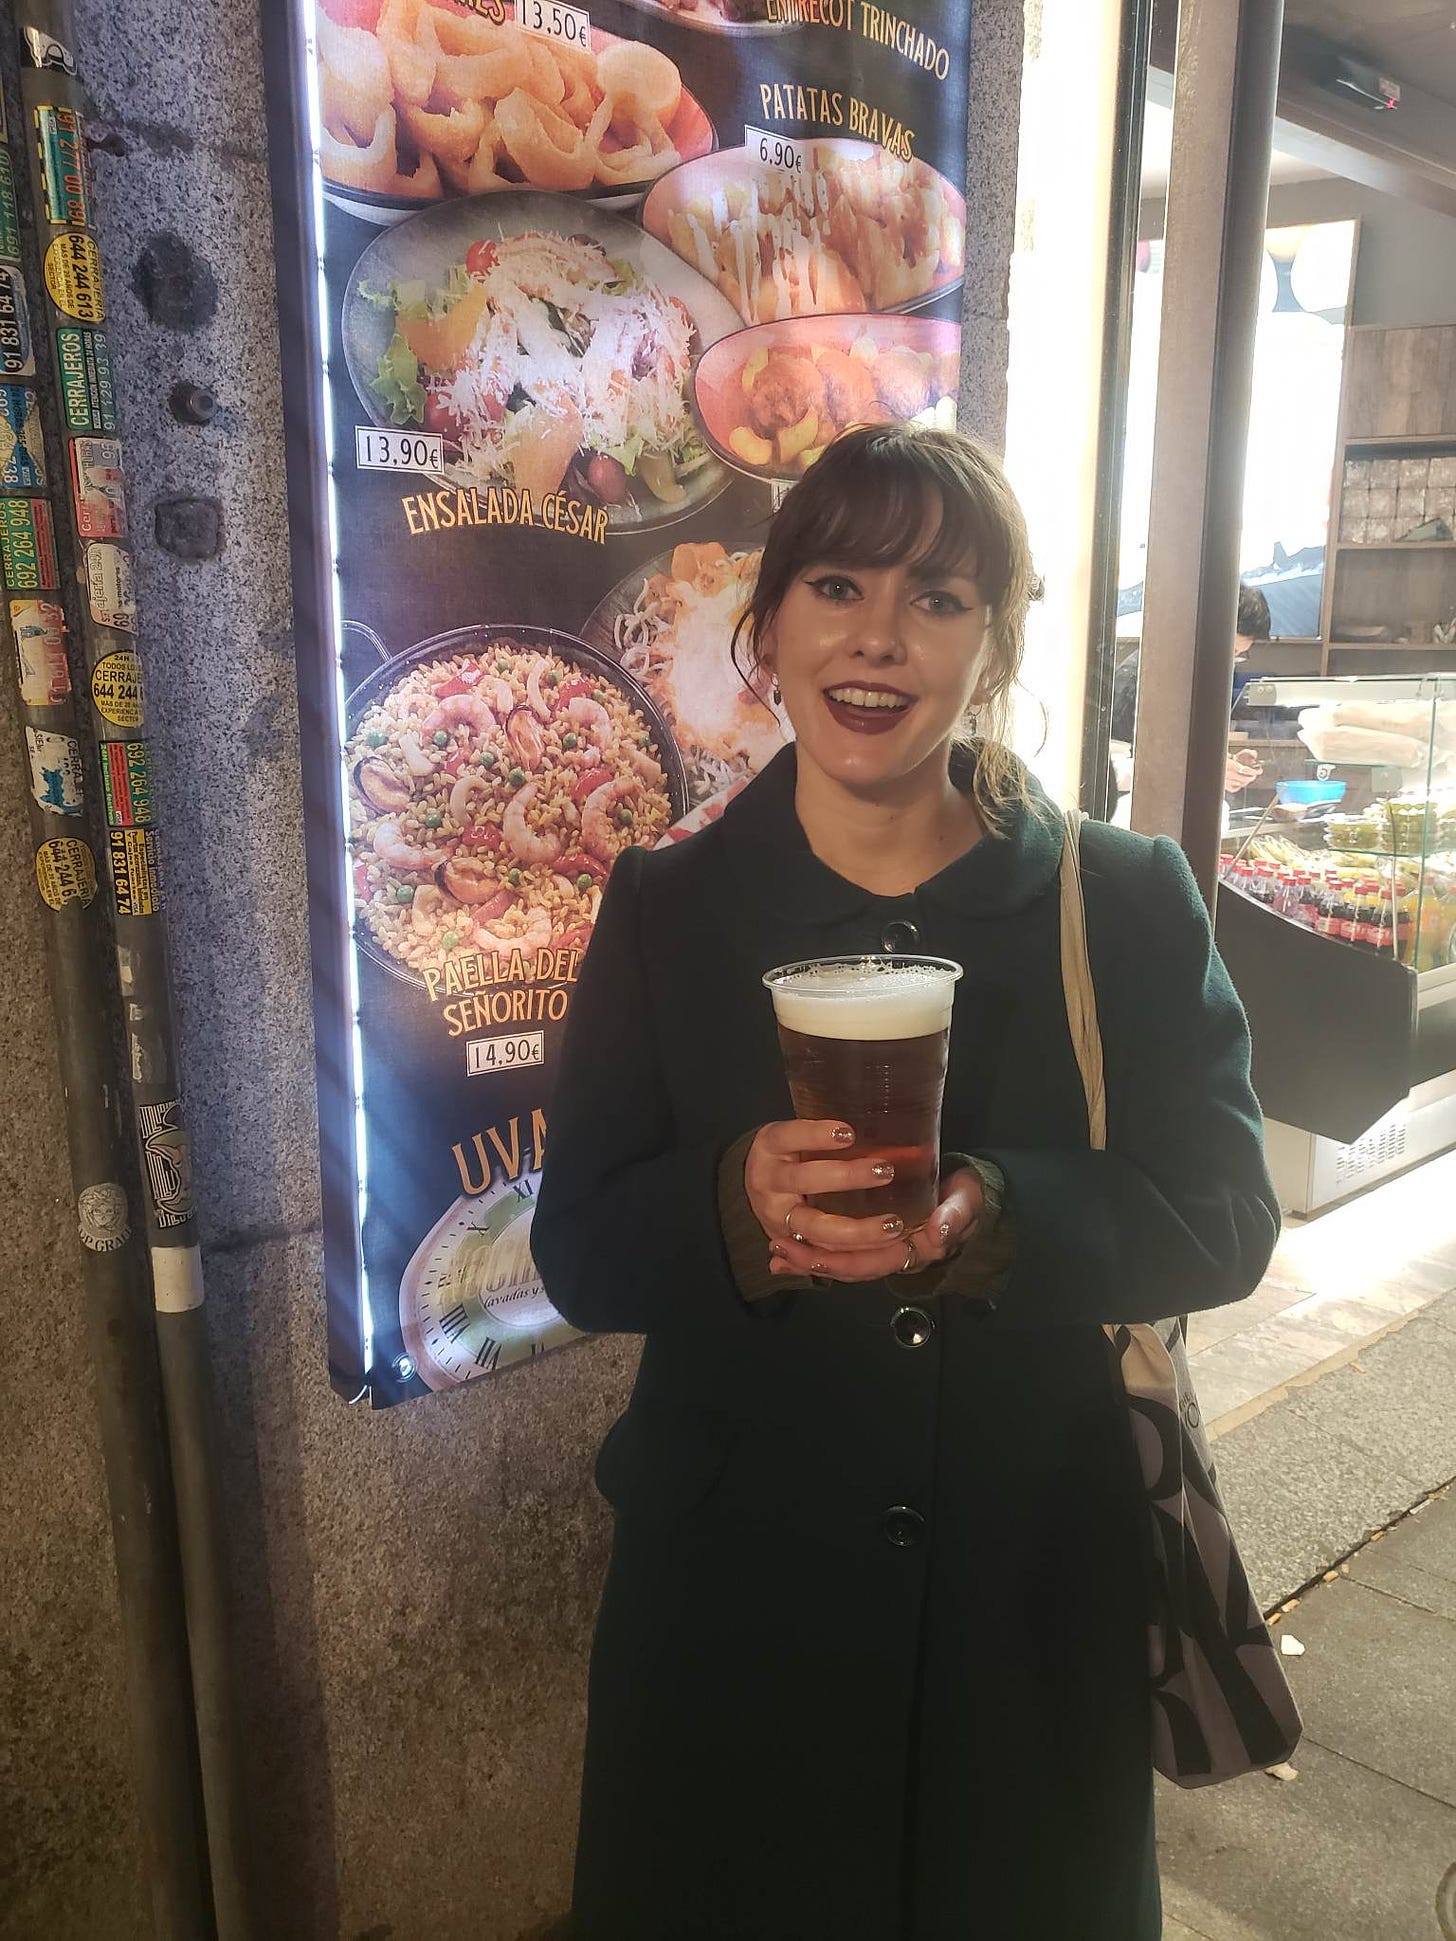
[(9, 212), (88, 391), (73, 277), (99, 486), (126, 781), (65, 872), (60, 142), (116, 688), (22, 443), (101, 1215), (168, 1161), (56, 774), (111, 586), (44, 50), (17, 354), (41, 667), (136, 872), (27, 546)]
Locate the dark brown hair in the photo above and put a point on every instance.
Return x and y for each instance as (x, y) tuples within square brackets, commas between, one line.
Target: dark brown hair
[(891, 495)]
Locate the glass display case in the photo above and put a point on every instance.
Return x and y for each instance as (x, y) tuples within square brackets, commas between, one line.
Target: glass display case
[(1337, 919), (1356, 839)]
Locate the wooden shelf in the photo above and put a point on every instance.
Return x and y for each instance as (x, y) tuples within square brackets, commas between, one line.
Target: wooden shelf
[(1412, 440), (1393, 646), (1395, 545)]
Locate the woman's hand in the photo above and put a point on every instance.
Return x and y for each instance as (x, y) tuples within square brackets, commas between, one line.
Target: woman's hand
[(779, 1174)]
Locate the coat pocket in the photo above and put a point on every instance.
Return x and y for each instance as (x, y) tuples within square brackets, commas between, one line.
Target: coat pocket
[(659, 1461)]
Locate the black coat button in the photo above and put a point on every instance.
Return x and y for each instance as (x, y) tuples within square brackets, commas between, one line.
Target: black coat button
[(904, 1527), (912, 1327), (900, 937)]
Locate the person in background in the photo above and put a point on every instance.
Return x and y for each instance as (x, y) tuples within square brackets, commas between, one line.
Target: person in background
[(1243, 766)]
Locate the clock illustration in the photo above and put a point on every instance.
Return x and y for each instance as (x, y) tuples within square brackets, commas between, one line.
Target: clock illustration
[(471, 1301)]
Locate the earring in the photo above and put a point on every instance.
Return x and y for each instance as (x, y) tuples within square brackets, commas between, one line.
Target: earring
[(973, 721), (778, 695)]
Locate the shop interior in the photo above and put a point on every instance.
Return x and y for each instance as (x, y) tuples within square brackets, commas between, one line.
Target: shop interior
[(1337, 906)]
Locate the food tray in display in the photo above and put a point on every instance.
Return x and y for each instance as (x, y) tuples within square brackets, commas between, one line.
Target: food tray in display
[(858, 230), (671, 622), (353, 99), (776, 384), (707, 20), (478, 642), (426, 249)]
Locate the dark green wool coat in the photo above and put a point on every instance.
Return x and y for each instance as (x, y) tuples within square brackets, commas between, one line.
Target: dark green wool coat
[(870, 1664)]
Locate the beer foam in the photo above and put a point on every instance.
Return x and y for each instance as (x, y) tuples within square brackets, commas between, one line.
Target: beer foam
[(865, 1001)]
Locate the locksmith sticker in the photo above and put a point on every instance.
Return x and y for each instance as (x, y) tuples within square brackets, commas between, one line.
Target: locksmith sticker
[(65, 871), (40, 653), (73, 277), (101, 1215), (136, 872), (22, 443), (99, 488), (27, 546), (111, 587), (61, 144), (88, 391), (126, 780), (168, 1161), (116, 688), (56, 774), (9, 214), (17, 354)]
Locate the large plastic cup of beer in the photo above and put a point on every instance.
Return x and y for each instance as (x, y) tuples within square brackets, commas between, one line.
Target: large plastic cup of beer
[(865, 1040)]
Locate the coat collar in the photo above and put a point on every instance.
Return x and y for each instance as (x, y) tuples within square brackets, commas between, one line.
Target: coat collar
[(770, 855)]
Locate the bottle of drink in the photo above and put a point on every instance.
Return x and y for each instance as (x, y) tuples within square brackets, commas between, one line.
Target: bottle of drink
[(1385, 928)]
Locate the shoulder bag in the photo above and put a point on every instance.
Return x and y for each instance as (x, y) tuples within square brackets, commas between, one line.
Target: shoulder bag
[(1221, 1703)]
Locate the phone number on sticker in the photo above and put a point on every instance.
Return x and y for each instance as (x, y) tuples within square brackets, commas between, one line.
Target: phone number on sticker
[(505, 1054), (571, 24), (398, 451)]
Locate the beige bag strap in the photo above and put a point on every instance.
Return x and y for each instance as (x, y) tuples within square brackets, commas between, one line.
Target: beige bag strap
[(1077, 983)]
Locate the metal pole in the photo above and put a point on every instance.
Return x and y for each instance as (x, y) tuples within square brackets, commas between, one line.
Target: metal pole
[(1225, 88), (119, 1326), (1132, 76), (67, 310)]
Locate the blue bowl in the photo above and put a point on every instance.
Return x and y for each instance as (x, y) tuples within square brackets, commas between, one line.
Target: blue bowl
[(1304, 794)]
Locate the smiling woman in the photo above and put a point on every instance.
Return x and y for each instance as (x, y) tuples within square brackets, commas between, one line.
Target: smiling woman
[(873, 1640), (891, 603)]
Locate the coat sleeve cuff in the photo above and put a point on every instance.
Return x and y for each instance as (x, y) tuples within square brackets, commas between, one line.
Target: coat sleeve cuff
[(748, 1254)]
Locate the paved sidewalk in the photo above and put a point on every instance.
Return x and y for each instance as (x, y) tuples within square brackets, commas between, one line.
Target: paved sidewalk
[(1361, 1845)]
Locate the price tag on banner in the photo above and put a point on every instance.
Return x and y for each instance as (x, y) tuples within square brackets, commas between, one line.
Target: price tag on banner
[(776, 151), (398, 451), (571, 24), (505, 1054)]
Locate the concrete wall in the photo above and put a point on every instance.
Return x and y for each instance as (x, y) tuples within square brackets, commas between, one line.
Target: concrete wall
[(415, 1589)]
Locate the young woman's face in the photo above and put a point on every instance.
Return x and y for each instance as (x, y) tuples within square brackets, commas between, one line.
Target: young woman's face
[(877, 665)]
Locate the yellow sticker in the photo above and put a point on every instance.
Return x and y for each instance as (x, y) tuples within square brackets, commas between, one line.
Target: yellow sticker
[(73, 277), (65, 871), (116, 688)]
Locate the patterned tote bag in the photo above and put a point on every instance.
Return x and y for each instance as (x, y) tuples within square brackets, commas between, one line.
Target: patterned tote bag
[(1221, 1704)]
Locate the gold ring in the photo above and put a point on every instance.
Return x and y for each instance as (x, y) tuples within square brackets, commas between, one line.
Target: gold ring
[(912, 1264), (789, 1219)]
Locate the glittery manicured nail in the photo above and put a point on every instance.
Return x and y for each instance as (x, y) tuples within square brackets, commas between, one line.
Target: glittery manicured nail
[(817, 1267), (945, 1229), (776, 1252), (843, 1135), (884, 1170), (892, 1227)]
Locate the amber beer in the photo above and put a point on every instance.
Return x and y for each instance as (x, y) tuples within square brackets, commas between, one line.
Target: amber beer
[(865, 1040)]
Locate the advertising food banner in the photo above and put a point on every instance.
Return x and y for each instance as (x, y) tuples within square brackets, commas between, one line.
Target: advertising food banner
[(593, 289)]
